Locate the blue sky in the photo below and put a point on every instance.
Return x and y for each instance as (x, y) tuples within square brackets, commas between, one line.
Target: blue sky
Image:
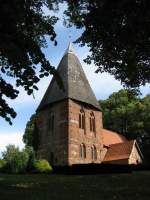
[(102, 84)]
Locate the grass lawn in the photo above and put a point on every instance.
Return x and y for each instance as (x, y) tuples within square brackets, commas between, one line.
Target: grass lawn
[(72, 187)]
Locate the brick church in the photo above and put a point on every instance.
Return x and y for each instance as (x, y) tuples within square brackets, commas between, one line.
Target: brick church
[(70, 124)]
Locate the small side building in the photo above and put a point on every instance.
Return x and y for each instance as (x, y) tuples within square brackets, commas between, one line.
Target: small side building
[(119, 150)]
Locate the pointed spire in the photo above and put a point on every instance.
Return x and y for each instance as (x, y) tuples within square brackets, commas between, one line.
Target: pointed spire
[(75, 83), (70, 49)]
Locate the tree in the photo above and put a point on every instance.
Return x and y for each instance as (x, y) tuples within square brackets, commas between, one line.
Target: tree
[(128, 114), (116, 31), (31, 158), (23, 27), (16, 160), (146, 112), (144, 141), (120, 110), (31, 134), (118, 35)]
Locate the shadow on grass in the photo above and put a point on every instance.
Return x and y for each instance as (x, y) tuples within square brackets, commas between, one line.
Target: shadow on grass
[(120, 186), (98, 169)]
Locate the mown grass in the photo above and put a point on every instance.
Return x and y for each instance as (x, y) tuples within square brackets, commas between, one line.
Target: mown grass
[(72, 187)]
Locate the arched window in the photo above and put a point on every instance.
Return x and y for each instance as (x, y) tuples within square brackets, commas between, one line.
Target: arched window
[(82, 119), (51, 122), (82, 151), (92, 122), (51, 157), (93, 153)]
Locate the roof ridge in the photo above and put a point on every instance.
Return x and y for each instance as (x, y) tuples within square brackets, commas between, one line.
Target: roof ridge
[(128, 141), (113, 132), (75, 82)]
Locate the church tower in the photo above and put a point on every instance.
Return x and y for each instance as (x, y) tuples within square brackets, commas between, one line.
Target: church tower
[(69, 121)]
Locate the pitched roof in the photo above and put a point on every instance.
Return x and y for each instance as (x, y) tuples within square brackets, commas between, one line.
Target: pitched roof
[(75, 83), (110, 137), (119, 151)]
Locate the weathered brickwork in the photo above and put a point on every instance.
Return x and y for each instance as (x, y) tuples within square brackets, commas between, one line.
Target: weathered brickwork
[(54, 144), (134, 158), (63, 143), (79, 136)]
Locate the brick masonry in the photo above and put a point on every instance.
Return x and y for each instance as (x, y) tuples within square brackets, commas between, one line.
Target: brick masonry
[(79, 136), (54, 142), (64, 142)]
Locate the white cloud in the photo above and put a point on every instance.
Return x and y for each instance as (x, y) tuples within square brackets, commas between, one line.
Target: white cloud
[(10, 138), (103, 84), (23, 98)]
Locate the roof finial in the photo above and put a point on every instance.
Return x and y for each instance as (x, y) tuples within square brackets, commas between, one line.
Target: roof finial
[(70, 48), (70, 35)]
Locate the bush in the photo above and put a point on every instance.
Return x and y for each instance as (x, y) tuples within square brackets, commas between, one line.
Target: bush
[(16, 161), (42, 166), (2, 165), (30, 165)]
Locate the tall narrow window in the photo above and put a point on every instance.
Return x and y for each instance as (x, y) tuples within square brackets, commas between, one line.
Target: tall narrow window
[(93, 153), (51, 122), (92, 122), (51, 157), (82, 151), (82, 119), (80, 124)]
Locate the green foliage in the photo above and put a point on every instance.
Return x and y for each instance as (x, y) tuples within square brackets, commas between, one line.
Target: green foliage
[(16, 161), (31, 134), (31, 158), (36, 138), (23, 30), (28, 134), (2, 165), (144, 141), (42, 166), (119, 111), (117, 33)]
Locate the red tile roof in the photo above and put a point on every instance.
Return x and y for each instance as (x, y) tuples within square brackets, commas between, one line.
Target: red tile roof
[(119, 151), (110, 137)]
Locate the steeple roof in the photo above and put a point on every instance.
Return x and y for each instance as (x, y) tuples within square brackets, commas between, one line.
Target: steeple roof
[(75, 83), (70, 49)]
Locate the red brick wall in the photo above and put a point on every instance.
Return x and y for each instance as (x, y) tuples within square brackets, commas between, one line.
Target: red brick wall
[(78, 136), (56, 141), (66, 138)]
